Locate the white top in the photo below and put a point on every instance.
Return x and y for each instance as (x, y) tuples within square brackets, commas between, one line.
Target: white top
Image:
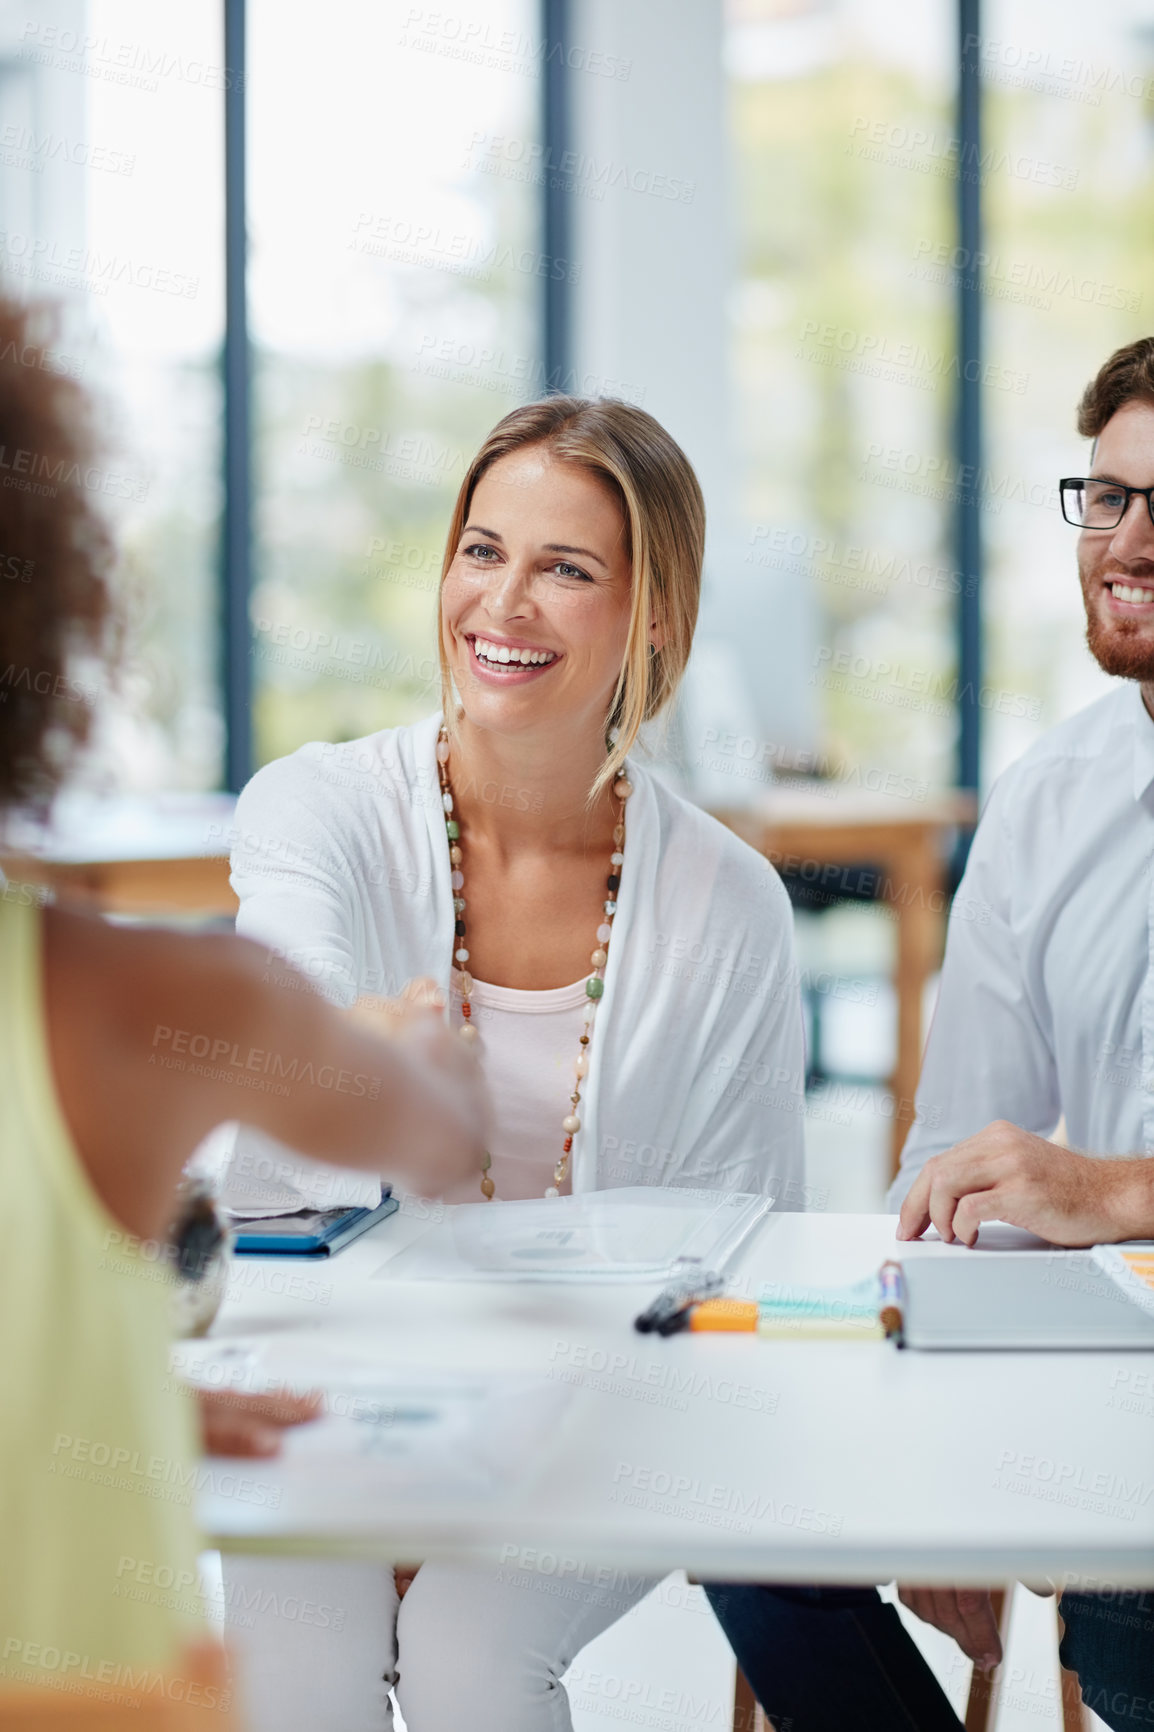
[(340, 861), (1047, 996), (528, 1042)]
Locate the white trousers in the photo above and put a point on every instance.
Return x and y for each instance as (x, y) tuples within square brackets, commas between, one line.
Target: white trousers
[(319, 1643)]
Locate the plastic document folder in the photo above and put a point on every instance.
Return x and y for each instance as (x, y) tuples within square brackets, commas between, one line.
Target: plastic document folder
[(638, 1233), (1100, 1298)]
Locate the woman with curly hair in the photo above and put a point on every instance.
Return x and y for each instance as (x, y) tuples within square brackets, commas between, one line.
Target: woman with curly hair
[(94, 1438)]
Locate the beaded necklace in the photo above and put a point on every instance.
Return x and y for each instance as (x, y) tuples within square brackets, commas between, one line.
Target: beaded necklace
[(594, 985)]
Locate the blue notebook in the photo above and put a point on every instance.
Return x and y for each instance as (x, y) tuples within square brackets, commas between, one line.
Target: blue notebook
[(310, 1232)]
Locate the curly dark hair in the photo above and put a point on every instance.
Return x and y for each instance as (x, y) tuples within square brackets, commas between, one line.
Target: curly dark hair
[(55, 556), (1127, 377)]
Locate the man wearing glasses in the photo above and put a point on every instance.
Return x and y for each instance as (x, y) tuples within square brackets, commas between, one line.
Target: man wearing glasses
[(1046, 1009), (1046, 1012)]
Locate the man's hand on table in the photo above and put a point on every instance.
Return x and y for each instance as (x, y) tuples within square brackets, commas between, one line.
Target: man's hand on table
[(1007, 1174), (232, 1423), (966, 1614)]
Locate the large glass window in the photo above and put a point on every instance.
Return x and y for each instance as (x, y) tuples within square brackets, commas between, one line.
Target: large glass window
[(1069, 210), (844, 365), (395, 282), (111, 204)]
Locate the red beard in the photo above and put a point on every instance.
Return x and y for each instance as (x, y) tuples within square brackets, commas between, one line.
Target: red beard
[(1120, 648)]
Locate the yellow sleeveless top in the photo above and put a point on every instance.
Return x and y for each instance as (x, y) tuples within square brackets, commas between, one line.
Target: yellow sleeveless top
[(98, 1464)]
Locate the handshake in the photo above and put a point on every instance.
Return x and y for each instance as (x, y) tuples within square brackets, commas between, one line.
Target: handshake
[(435, 1127)]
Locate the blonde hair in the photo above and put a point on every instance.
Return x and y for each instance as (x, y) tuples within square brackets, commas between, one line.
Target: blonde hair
[(661, 502)]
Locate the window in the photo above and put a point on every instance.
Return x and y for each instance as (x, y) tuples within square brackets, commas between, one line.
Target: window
[(111, 204), (1070, 239), (844, 364), (395, 285), (395, 288)]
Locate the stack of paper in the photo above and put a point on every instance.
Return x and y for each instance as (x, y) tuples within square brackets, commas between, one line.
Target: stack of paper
[(832, 1313), (1132, 1270)]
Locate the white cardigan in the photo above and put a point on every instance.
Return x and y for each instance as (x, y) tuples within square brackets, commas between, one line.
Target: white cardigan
[(341, 865)]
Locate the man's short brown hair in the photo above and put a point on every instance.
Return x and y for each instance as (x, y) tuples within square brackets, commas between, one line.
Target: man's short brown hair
[(55, 555), (1127, 377)]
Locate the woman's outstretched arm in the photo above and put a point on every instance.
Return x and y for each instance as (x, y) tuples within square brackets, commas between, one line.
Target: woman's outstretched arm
[(156, 1037)]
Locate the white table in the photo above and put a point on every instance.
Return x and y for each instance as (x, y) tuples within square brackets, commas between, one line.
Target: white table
[(729, 1456)]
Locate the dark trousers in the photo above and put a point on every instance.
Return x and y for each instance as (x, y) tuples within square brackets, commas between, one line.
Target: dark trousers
[(1109, 1642), (826, 1659)]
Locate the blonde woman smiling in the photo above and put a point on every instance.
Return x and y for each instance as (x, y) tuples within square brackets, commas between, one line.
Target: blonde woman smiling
[(622, 963)]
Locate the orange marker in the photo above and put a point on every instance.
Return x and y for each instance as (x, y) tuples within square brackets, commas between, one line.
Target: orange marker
[(730, 1315), (744, 1317)]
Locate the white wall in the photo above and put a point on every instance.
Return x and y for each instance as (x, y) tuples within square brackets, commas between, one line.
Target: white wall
[(654, 268), (657, 265)]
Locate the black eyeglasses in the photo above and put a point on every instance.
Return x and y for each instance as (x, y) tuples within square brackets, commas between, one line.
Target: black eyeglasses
[(1090, 504)]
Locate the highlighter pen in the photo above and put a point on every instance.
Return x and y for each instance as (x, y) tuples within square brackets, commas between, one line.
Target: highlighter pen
[(745, 1317), (893, 1299), (725, 1316)]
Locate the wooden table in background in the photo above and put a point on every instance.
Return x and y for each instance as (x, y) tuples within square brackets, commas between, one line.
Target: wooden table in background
[(149, 855), (817, 832)]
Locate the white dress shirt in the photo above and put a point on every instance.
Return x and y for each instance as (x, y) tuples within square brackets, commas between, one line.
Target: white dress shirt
[(1046, 1006)]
